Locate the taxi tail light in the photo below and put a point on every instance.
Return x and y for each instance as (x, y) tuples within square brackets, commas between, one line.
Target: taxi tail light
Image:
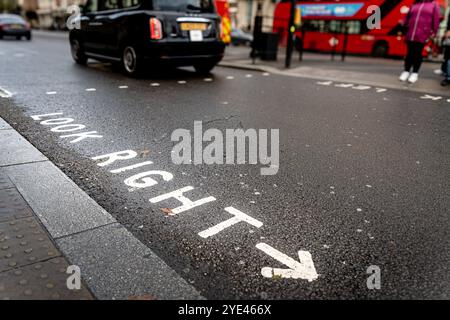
[(155, 29)]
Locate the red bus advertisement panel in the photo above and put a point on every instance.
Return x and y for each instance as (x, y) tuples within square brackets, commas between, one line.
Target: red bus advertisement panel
[(324, 24)]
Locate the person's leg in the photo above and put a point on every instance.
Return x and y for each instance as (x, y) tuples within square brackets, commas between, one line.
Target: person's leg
[(418, 57), (446, 81), (409, 59)]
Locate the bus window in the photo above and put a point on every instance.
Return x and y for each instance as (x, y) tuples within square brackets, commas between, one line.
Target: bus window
[(354, 27), (335, 26), (314, 25)]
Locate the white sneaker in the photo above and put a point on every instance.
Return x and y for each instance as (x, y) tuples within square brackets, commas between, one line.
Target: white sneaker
[(413, 77), (404, 76)]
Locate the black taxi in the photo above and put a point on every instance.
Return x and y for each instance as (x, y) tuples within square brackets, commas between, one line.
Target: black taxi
[(140, 34)]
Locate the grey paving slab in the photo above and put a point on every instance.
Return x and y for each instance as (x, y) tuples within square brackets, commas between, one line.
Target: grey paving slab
[(14, 149), (116, 265), (61, 205), (4, 125), (5, 182)]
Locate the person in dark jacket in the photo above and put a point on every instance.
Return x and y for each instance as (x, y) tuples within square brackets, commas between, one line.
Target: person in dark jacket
[(421, 23)]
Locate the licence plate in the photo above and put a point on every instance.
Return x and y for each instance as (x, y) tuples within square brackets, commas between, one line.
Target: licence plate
[(188, 26), (15, 26), (196, 35)]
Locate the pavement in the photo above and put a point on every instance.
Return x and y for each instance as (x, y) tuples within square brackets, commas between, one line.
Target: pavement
[(49, 227), (358, 69), (362, 180)]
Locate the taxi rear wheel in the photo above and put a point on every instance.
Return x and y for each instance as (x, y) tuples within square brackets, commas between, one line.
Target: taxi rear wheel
[(131, 61), (77, 52)]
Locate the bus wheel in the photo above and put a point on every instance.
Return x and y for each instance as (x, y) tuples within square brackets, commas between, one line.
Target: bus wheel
[(380, 49)]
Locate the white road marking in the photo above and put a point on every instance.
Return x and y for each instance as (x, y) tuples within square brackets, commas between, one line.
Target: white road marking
[(51, 92), (230, 77), (430, 97), (91, 89), (344, 85), (380, 90), (302, 269), (142, 180), (248, 75), (68, 128), (187, 204), (182, 82), (325, 83), (5, 93), (40, 116), (239, 216), (81, 136), (123, 87), (266, 74), (359, 210), (114, 156), (134, 166), (208, 79), (19, 55), (361, 87), (57, 121), (154, 84)]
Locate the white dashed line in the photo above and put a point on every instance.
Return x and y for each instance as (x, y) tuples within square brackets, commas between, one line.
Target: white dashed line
[(248, 75), (154, 84), (208, 79), (123, 87), (51, 92), (182, 82), (91, 89), (230, 77), (5, 93), (325, 83), (266, 74)]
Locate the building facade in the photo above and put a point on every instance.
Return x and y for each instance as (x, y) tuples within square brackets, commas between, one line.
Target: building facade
[(245, 12)]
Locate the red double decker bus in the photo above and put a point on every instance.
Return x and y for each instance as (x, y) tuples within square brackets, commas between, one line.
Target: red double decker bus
[(325, 22)]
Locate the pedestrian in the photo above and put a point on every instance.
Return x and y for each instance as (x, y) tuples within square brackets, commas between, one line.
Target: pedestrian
[(421, 23), (446, 64)]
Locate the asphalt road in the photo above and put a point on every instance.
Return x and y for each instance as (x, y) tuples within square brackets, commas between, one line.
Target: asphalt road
[(363, 177)]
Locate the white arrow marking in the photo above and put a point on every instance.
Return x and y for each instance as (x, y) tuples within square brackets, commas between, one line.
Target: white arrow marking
[(302, 269), (429, 97)]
